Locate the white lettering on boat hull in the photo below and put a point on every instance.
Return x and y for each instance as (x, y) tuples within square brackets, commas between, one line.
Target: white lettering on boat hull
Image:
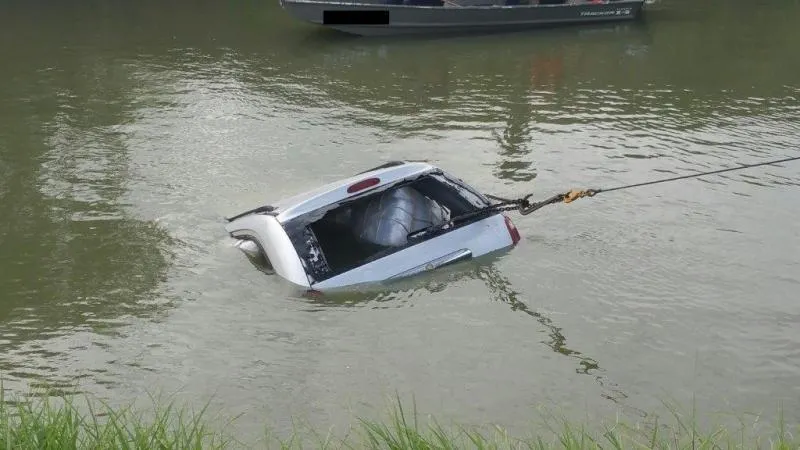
[(616, 12)]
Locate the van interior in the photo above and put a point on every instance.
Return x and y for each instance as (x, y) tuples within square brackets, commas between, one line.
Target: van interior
[(376, 225)]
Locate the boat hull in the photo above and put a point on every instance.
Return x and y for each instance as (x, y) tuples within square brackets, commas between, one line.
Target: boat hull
[(373, 19)]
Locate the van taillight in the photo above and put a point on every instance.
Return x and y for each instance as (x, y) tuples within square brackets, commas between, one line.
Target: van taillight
[(512, 230)]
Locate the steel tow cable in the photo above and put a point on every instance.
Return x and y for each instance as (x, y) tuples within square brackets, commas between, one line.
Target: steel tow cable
[(525, 207)]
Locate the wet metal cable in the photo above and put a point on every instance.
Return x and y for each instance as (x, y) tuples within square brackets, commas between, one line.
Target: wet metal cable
[(682, 177), (526, 207)]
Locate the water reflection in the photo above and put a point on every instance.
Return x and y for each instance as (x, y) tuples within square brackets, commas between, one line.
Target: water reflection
[(76, 265), (528, 93), (503, 291), (523, 92), (399, 293)]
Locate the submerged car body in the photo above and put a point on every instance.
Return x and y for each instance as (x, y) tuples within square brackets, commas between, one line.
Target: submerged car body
[(387, 223)]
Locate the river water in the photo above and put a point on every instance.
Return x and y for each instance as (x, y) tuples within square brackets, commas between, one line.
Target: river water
[(129, 130)]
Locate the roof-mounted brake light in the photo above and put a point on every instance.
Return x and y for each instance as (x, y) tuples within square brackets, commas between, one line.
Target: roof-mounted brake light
[(363, 184)]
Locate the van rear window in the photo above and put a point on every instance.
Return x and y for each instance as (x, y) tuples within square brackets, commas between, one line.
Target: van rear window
[(358, 231)]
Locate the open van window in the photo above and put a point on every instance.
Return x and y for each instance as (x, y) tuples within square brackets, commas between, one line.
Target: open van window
[(351, 233)]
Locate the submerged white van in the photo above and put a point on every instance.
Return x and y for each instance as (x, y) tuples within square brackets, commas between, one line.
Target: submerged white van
[(390, 222)]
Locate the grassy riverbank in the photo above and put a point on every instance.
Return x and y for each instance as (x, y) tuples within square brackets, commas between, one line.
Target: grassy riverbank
[(62, 424)]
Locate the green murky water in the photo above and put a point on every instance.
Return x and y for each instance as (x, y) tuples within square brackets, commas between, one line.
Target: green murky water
[(127, 131)]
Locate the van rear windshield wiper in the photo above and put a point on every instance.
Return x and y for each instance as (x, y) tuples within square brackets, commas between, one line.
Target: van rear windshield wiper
[(449, 223)]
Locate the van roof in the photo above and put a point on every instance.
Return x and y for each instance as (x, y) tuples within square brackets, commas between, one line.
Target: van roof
[(335, 192)]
